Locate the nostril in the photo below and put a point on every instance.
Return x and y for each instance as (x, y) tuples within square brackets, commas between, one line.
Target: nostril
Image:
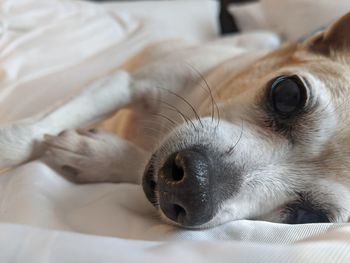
[(173, 168), (177, 170), (179, 211), (174, 212)]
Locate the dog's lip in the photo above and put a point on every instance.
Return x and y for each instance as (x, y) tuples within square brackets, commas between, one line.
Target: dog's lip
[(149, 184)]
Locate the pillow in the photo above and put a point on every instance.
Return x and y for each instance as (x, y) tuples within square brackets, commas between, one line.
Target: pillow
[(292, 19), (249, 16), (296, 18)]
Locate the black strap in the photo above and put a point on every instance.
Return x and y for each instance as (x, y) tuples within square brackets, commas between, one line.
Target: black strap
[(227, 21)]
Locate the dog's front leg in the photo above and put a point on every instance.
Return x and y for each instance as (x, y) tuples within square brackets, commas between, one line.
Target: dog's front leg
[(22, 141), (94, 104), (95, 155)]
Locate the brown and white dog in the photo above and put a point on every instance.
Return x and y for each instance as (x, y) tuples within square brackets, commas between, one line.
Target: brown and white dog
[(270, 142)]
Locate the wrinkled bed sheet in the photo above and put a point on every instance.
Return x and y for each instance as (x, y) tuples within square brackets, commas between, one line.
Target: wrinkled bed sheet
[(50, 49)]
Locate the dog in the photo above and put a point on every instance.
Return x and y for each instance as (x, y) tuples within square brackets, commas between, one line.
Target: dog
[(211, 142)]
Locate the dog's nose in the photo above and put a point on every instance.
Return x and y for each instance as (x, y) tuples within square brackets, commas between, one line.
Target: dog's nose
[(184, 189)]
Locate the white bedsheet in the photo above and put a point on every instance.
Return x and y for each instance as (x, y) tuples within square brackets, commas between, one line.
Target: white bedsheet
[(52, 48), (53, 220)]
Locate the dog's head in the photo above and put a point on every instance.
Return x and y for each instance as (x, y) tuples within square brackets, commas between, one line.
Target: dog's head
[(280, 150)]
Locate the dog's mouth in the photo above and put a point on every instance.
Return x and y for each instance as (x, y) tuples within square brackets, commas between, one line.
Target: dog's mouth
[(149, 183)]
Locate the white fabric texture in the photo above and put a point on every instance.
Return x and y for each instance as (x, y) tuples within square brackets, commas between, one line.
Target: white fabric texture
[(115, 223), (50, 49), (82, 37)]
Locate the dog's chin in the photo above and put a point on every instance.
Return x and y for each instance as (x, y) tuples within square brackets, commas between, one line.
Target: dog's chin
[(167, 220)]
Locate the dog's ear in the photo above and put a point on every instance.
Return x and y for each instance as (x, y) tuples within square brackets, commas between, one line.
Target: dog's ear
[(336, 38)]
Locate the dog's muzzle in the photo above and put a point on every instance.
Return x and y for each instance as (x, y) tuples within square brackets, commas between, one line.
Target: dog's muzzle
[(184, 191)]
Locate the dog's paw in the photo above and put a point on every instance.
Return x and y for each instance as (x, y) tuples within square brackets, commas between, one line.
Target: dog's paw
[(84, 156), (19, 143)]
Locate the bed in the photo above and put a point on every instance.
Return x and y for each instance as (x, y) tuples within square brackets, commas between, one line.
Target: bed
[(51, 49)]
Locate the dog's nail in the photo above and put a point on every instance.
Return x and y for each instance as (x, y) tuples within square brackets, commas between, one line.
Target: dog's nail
[(70, 170), (47, 137), (62, 132), (93, 130), (49, 152)]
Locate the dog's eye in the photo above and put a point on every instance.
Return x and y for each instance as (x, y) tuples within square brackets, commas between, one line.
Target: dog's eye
[(287, 95)]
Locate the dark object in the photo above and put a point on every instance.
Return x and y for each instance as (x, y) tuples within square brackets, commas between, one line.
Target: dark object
[(303, 216), (227, 21), (305, 212)]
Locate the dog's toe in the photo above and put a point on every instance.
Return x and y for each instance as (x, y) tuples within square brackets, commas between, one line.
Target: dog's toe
[(76, 155), (91, 156)]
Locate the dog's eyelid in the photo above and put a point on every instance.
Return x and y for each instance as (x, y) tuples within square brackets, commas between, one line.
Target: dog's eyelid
[(304, 80), (308, 87)]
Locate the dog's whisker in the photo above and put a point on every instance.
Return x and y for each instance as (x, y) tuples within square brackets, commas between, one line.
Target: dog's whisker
[(183, 116), (187, 102), (219, 119), (165, 117), (154, 123), (173, 108), (153, 137), (157, 131), (213, 102), (239, 139), (187, 120), (208, 87), (150, 133)]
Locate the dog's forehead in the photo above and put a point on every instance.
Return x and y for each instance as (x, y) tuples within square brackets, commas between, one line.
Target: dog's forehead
[(333, 71), (256, 74), (270, 63)]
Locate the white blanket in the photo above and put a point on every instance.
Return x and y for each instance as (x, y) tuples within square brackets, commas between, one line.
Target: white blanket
[(50, 49)]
